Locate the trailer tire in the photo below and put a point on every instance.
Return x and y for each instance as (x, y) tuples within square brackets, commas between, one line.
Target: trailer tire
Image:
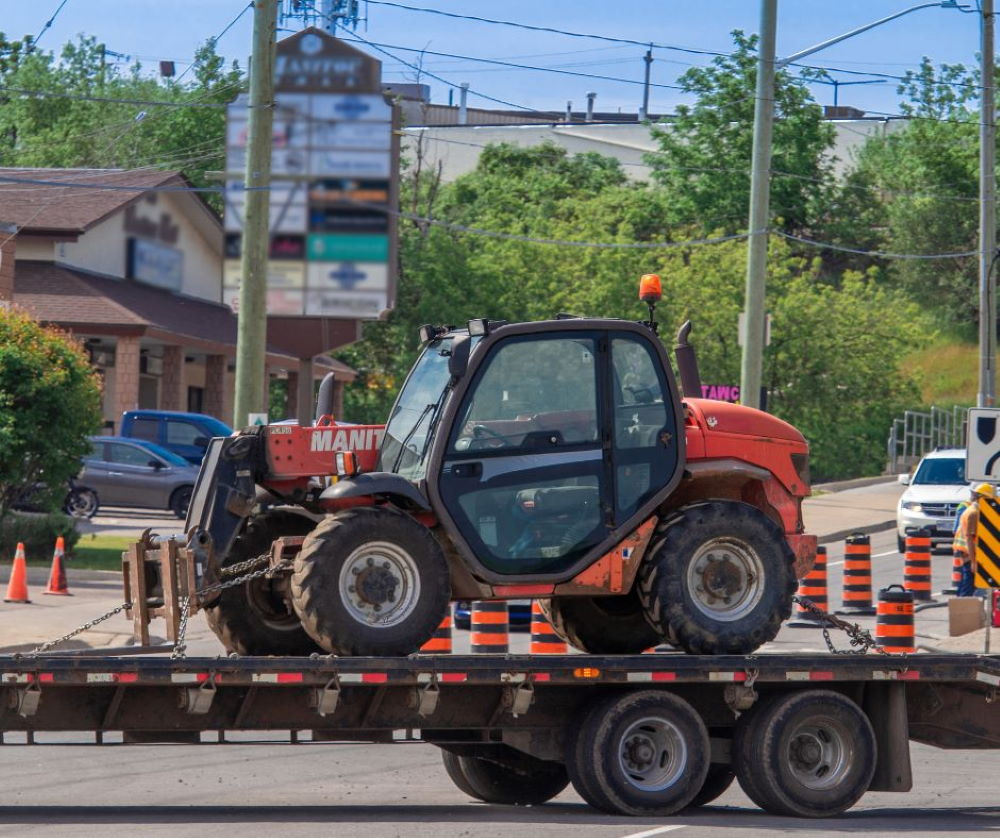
[(642, 753), (807, 754), (719, 778), (255, 618), (522, 780), (370, 582), (601, 625), (719, 580)]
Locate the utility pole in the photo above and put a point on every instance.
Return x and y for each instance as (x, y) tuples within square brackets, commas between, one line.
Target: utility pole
[(763, 120), (987, 214), (648, 58), (251, 336)]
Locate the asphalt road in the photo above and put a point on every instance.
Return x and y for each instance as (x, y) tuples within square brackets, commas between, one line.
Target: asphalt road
[(385, 790)]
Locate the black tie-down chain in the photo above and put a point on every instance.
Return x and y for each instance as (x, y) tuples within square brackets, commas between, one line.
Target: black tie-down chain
[(235, 574), (860, 639)]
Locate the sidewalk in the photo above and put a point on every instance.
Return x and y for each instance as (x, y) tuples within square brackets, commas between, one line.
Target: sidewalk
[(837, 510)]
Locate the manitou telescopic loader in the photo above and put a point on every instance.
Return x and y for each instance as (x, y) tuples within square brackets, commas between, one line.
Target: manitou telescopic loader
[(554, 460)]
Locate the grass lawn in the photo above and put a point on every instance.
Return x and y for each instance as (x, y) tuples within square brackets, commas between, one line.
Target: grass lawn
[(99, 552)]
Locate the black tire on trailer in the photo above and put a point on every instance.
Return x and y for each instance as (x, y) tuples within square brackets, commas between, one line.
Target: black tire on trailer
[(370, 582), (642, 753), (256, 618), (719, 778), (807, 754), (601, 625), (719, 580), (512, 780)]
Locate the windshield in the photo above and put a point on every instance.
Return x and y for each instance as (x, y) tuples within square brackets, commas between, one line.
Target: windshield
[(414, 413), (941, 471), (162, 453)]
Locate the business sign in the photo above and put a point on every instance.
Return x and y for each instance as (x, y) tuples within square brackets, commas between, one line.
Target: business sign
[(155, 264), (334, 181)]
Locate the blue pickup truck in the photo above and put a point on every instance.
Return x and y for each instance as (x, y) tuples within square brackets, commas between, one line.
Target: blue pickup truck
[(186, 434)]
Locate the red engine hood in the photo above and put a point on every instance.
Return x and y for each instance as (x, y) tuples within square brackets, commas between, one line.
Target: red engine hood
[(725, 418)]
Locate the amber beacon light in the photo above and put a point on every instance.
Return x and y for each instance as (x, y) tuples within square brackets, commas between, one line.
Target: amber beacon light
[(650, 288)]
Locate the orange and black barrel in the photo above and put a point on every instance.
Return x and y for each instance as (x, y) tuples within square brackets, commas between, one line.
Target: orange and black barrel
[(490, 627), (956, 576), (857, 593), (440, 642), (544, 640), (894, 621), (917, 567), (813, 586)]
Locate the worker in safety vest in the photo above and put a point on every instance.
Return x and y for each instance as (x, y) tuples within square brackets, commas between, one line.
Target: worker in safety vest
[(964, 544)]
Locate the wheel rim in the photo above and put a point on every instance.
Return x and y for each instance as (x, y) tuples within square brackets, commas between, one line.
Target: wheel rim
[(725, 579), (653, 754), (268, 602), (380, 584), (182, 500), (820, 753), (81, 504)]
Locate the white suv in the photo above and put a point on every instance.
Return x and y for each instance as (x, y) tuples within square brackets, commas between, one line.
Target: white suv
[(935, 490)]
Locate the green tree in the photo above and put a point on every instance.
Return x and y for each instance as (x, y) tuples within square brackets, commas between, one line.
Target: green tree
[(50, 401), (704, 155)]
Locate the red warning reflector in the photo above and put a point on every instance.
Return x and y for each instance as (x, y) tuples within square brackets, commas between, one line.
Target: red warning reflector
[(374, 677)]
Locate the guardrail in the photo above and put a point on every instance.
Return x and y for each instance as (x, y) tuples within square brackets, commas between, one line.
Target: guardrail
[(917, 432)]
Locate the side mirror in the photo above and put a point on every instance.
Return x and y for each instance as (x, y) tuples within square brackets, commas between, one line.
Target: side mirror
[(201, 442), (458, 361), (156, 465), (903, 479)]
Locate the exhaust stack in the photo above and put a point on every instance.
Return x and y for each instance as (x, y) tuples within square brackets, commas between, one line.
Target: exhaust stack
[(687, 363)]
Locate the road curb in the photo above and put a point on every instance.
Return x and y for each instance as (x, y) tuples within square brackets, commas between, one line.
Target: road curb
[(867, 529)]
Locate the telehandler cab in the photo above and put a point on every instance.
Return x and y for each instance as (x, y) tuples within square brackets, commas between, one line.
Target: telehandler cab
[(554, 460)]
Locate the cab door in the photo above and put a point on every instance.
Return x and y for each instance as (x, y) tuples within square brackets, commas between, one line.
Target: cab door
[(524, 475)]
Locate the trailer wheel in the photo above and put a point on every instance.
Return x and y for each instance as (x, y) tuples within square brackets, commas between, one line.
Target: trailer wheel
[(370, 582), (719, 581), (518, 781), (808, 754), (719, 778), (601, 625), (644, 753), (256, 618)]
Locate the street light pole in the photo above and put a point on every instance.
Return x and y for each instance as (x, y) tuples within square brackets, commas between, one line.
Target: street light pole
[(753, 344), (987, 214)]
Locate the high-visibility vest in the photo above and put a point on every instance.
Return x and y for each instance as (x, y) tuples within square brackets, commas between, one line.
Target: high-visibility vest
[(960, 544)]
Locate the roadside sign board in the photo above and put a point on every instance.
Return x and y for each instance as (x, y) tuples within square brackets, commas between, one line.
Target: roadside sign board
[(982, 444), (335, 181), (987, 573)]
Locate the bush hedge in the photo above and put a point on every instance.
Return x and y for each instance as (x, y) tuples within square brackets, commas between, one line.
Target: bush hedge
[(38, 532)]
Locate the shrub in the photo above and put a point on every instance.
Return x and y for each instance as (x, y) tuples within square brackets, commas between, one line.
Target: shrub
[(38, 532)]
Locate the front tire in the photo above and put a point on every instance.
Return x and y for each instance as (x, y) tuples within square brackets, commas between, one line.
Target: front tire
[(808, 754), (255, 618), (719, 581), (180, 500), (520, 780), (601, 625), (370, 582)]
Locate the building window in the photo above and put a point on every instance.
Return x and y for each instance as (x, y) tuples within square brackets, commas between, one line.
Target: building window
[(196, 399)]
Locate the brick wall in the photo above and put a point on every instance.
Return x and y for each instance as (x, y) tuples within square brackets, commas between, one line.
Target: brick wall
[(126, 376), (173, 392), (7, 252)]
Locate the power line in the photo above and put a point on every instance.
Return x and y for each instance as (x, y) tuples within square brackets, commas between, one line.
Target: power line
[(875, 253), (216, 39), (52, 94), (49, 22)]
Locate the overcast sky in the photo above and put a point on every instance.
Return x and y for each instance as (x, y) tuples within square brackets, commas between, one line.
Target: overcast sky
[(150, 30)]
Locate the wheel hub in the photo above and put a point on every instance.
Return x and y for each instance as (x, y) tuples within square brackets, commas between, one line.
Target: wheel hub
[(639, 752), (820, 754), (652, 754), (377, 585), (725, 579)]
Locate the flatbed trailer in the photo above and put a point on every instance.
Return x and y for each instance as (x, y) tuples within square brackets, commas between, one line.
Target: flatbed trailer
[(805, 734)]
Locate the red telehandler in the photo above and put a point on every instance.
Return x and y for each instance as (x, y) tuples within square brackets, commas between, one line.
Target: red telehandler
[(555, 460)]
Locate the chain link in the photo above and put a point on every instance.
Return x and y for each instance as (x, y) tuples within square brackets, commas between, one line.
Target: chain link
[(860, 638)]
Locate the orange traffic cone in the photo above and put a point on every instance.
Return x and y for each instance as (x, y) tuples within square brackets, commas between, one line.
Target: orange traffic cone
[(57, 576), (17, 589)]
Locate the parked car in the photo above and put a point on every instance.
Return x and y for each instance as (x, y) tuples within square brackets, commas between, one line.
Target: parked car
[(132, 472), (185, 434), (935, 490)]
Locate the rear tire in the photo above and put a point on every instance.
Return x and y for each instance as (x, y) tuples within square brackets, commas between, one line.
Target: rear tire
[(370, 582), (719, 778), (601, 625), (521, 780), (808, 754), (180, 500), (256, 618), (81, 503), (643, 753), (719, 581)]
